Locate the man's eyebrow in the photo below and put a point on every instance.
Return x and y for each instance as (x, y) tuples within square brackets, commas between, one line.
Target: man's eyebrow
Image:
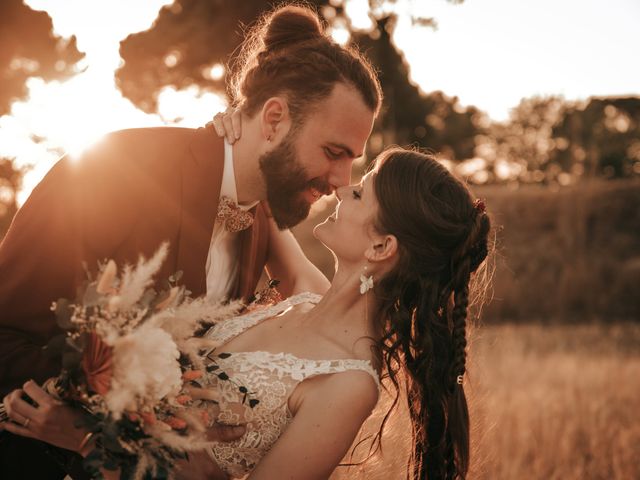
[(346, 149)]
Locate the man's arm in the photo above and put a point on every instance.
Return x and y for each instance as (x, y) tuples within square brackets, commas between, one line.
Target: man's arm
[(324, 427), (36, 268), (287, 262), (77, 213)]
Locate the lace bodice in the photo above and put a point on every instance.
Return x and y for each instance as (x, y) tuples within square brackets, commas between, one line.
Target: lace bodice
[(254, 388)]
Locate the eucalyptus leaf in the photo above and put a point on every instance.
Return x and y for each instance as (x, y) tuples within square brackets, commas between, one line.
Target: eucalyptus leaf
[(76, 343), (91, 296), (71, 360), (110, 435), (93, 461), (63, 314), (148, 297), (55, 346)]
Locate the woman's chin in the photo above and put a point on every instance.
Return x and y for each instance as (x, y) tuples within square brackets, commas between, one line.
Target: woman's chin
[(318, 230), (320, 233)]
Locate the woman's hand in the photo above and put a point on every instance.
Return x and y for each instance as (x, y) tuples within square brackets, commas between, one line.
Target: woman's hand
[(228, 124), (51, 420)]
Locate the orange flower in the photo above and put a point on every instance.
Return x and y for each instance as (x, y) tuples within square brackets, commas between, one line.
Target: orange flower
[(97, 364), (191, 375), (134, 417), (205, 417), (149, 418), (176, 423)]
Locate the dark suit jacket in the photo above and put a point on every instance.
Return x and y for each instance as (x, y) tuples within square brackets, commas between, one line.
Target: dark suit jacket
[(119, 200)]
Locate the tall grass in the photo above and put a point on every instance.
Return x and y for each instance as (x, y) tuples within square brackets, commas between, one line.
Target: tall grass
[(546, 402)]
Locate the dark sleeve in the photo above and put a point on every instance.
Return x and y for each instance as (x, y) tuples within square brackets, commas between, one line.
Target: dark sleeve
[(37, 257), (78, 213)]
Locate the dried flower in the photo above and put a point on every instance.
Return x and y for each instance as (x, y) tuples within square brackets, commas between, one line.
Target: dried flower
[(191, 375), (173, 293), (97, 364), (105, 284), (145, 367), (176, 423)]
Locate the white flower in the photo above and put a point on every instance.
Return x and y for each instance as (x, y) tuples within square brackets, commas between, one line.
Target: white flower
[(146, 369), (366, 284)]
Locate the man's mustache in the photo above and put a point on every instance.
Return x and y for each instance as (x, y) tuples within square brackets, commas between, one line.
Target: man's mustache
[(320, 185)]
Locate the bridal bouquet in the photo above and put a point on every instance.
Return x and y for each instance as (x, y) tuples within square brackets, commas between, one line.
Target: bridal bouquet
[(130, 358)]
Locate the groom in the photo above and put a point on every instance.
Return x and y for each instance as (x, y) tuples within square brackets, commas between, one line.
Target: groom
[(224, 209)]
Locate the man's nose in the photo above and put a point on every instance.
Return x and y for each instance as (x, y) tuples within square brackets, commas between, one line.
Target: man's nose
[(340, 174)]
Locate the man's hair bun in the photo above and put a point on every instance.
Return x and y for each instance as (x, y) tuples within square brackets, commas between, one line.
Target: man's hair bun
[(290, 25)]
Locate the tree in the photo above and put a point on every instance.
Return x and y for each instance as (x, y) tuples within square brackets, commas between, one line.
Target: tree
[(601, 138), (192, 40), (411, 116), (10, 183), (30, 49)]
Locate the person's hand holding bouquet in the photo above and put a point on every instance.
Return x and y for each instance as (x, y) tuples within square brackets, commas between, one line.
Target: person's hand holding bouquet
[(124, 398)]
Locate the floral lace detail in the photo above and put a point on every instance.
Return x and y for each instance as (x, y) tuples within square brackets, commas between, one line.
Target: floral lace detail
[(269, 377), (227, 329)]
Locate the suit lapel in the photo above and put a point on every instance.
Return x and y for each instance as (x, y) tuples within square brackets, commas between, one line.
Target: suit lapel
[(201, 182)]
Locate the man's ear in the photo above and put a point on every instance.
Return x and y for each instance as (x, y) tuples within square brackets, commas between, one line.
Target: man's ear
[(275, 119), (383, 248)]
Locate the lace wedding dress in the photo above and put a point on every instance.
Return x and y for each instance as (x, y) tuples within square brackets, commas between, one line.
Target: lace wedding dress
[(254, 387)]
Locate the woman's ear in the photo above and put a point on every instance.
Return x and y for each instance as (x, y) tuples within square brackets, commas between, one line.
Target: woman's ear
[(275, 119), (383, 248)]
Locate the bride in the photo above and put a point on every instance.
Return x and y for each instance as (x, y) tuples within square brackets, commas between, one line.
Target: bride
[(407, 239)]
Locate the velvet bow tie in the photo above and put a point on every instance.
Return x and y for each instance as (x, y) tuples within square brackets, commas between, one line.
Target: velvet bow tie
[(232, 216)]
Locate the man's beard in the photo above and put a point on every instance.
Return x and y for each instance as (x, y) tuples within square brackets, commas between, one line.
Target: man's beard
[(286, 181)]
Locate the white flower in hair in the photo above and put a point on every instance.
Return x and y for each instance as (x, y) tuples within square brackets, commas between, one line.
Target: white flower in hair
[(366, 284)]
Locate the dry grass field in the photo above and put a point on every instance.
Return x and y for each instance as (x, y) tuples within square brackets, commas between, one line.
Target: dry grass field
[(547, 402), (558, 399), (556, 402)]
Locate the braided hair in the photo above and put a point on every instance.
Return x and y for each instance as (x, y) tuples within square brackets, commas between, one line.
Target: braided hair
[(423, 301), (289, 53)]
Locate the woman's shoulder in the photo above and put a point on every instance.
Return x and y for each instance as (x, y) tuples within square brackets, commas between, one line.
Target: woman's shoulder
[(352, 389)]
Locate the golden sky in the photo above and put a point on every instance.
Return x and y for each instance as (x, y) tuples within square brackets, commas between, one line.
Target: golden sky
[(489, 53)]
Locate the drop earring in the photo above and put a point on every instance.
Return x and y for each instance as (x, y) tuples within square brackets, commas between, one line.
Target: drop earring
[(366, 282)]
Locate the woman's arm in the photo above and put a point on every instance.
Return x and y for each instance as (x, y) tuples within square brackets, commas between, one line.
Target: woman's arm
[(287, 262), (325, 425)]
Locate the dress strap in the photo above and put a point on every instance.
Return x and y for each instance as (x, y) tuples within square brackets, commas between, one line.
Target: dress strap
[(312, 368)]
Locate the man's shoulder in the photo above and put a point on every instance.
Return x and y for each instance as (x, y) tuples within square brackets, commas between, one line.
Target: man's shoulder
[(146, 135)]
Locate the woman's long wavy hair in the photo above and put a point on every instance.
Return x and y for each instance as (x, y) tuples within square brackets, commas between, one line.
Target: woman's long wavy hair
[(422, 303)]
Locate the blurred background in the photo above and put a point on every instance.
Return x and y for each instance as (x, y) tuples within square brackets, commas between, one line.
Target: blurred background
[(535, 103)]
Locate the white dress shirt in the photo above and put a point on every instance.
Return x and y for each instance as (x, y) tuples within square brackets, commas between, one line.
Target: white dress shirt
[(222, 261)]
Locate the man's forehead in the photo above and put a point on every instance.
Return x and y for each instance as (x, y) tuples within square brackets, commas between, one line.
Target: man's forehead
[(345, 120)]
